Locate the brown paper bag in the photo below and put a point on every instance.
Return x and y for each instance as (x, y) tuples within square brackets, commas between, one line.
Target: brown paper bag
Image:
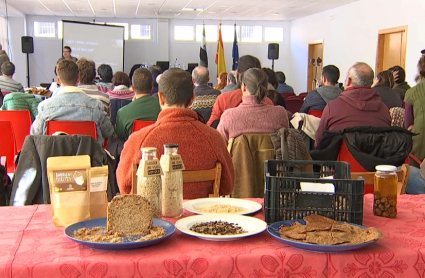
[(69, 183), (98, 196)]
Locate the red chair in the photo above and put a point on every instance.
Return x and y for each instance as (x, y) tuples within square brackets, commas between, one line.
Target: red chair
[(294, 104), (21, 123), (138, 125), (286, 95), (72, 127), (7, 145), (303, 95), (5, 93), (315, 113)]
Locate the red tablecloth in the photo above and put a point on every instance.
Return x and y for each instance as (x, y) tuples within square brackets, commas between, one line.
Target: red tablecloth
[(30, 246)]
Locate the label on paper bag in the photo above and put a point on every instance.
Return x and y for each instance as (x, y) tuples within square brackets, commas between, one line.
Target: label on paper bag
[(170, 163), (149, 168), (98, 184), (69, 181)]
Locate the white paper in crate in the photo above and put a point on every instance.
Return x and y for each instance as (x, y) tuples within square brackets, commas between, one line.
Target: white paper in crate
[(318, 187)]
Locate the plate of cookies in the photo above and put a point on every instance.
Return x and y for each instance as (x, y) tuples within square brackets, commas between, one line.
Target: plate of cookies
[(322, 234), (129, 225)]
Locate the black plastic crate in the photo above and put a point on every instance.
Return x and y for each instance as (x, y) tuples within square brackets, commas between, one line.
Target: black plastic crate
[(284, 199), (292, 168)]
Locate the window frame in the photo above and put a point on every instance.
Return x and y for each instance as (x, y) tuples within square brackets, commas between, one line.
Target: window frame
[(36, 30), (141, 38), (261, 39), (185, 40)]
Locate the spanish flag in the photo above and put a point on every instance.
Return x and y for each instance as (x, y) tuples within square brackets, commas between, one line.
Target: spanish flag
[(220, 60)]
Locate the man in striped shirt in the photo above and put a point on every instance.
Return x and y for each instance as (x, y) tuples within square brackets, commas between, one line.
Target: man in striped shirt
[(87, 71), (7, 83)]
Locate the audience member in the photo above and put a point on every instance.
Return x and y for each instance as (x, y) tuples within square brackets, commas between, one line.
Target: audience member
[(3, 56), (283, 87), (358, 105), (144, 107), (400, 84), (67, 55), (329, 90), (272, 86), (72, 104), (21, 101), (253, 115), (155, 71), (121, 83), (383, 84), (205, 96), (7, 83), (234, 98), (231, 83), (221, 80), (200, 146), (414, 118), (105, 73), (87, 70)]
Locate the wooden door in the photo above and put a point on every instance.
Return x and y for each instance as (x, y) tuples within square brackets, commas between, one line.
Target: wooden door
[(391, 48), (315, 51)]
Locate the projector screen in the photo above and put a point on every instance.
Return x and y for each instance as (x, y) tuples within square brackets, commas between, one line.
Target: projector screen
[(104, 44)]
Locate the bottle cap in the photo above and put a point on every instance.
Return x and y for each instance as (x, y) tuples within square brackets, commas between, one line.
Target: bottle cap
[(168, 146), (149, 149), (386, 168)]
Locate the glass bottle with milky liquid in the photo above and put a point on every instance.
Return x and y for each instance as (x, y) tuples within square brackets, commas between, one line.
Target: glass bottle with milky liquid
[(385, 191)]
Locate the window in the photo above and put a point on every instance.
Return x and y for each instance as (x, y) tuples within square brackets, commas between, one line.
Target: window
[(228, 33), (252, 34), (211, 33), (44, 29), (273, 34), (140, 32), (184, 33), (121, 24)]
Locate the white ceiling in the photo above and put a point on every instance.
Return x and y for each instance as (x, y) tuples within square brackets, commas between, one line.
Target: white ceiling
[(211, 9)]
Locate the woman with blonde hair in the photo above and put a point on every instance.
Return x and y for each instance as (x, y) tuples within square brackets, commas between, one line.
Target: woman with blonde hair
[(253, 115), (222, 81)]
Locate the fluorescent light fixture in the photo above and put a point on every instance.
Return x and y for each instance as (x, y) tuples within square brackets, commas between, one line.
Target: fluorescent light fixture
[(188, 9), (275, 13), (212, 12), (91, 7)]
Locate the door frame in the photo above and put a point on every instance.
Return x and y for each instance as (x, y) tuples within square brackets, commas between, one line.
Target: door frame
[(381, 42), (310, 53)]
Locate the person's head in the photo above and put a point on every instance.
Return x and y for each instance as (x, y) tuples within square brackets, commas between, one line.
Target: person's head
[(423, 52), (254, 82), (245, 63), (121, 78), (1, 47), (330, 75), (142, 81), (67, 73), (67, 52), (271, 75), (400, 72), (8, 69), (421, 67), (384, 79), (105, 73), (359, 75), (87, 70), (175, 89), (281, 78), (200, 76), (231, 78), (155, 71), (222, 79)]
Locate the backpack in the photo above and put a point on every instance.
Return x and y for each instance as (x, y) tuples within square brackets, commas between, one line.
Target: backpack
[(5, 187)]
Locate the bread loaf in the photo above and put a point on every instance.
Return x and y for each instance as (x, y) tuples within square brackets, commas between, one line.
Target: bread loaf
[(129, 215)]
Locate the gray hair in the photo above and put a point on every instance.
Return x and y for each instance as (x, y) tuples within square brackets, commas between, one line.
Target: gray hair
[(201, 75), (256, 82), (361, 75), (231, 76)]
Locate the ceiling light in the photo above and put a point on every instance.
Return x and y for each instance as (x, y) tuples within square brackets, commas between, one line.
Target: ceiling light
[(212, 12), (81, 9), (192, 10), (233, 12), (151, 4), (275, 13)]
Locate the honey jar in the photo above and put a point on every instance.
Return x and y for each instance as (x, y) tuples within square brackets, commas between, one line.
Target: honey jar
[(385, 191)]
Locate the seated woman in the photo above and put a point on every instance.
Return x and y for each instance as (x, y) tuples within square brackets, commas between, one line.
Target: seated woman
[(222, 81), (383, 84), (253, 115), (121, 95), (21, 101)]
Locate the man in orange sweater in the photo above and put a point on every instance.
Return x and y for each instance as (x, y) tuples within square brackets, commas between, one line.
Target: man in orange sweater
[(200, 146)]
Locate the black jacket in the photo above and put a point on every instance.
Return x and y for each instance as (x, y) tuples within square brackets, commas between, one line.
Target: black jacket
[(370, 146), (30, 183), (389, 96)]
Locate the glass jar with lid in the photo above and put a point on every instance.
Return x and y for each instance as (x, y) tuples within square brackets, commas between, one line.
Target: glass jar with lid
[(385, 191), (149, 180), (172, 181)]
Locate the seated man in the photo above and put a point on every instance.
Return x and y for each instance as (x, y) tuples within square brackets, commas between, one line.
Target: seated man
[(317, 99), (144, 107), (205, 96), (7, 83), (283, 87), (87, 75), (358, 105), (105, 74), (200, 146), (71, 104)]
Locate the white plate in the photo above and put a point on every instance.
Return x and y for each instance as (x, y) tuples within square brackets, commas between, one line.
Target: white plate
[(252, 225), (251, 206)]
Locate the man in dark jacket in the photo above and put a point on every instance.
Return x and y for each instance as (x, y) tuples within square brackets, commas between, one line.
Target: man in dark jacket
[(358, 105), (205, 96), (283, 87), (330, 90), (400, 84)]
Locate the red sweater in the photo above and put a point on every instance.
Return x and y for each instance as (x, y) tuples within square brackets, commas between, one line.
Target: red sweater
[(199, 146), (226, 101)]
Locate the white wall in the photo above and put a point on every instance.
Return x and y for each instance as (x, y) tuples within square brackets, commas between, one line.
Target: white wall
[(16, 31), (48, 50), (350, 35)]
